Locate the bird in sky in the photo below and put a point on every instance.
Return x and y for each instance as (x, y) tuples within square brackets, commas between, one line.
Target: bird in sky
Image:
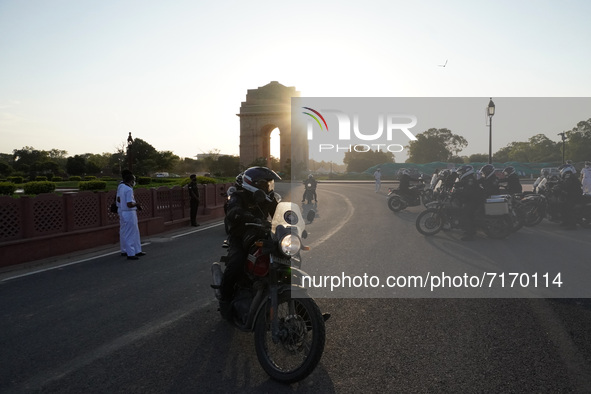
[(443, 65)]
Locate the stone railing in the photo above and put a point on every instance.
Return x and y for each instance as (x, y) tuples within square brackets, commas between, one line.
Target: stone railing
[(46, 225)]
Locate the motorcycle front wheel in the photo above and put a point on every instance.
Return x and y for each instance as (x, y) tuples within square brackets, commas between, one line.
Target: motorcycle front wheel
[(301, 339), (533, 214), (429, 222), (396, 204)]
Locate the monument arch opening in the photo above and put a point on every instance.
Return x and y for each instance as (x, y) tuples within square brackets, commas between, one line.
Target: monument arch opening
[(265, 116)]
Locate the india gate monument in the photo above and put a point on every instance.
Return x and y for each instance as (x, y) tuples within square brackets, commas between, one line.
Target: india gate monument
[(265, 109)]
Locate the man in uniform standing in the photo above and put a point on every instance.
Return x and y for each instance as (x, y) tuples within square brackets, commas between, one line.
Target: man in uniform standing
[(194, 203)]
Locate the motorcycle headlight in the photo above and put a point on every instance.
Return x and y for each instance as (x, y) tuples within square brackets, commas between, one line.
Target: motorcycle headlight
[(290, 244)]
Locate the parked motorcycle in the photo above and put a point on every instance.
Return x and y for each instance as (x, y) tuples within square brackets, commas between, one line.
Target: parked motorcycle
[(554, 207), (493, 219), (416, 195), (288, 326)]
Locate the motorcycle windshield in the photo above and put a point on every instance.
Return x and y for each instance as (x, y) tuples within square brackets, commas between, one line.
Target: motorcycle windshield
[(288, 214)]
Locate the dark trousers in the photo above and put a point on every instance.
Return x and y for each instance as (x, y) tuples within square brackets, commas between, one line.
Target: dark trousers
[(194, 204), (234, 267)]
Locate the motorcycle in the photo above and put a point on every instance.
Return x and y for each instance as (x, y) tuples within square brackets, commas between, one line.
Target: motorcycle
[(554, 207), (289, 332), (309, 192), (415, 196), (494, 219)]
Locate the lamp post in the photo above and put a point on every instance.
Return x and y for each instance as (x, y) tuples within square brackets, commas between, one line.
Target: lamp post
[(563, 136), (490, 111), (129, 154)]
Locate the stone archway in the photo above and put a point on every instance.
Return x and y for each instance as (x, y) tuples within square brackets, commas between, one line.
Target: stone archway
[(265, 109)]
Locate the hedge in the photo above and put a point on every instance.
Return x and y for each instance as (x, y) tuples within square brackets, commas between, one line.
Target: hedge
[(15, 179), (92, 185), (7, 188), (39, 187), (75, 178)]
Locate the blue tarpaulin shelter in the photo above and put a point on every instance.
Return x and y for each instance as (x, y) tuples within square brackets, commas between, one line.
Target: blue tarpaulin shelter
[(389, 170)]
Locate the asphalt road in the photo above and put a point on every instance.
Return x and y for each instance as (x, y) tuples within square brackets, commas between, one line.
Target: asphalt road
[(98, 323)]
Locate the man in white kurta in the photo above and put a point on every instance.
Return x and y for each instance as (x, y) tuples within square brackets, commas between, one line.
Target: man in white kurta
[(129, 232)]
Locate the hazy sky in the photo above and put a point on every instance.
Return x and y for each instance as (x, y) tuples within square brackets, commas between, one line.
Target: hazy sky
[(78, 75)]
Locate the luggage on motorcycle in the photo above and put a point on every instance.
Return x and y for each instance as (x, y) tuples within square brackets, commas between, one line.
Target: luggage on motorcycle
[(496, 205)]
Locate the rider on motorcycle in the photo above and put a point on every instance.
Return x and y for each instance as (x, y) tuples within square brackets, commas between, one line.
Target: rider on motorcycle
[(489, 181), (242, 209), (570, 191), (471, 196), (540, 183), (313, 183), (513, 185), (404, 186)]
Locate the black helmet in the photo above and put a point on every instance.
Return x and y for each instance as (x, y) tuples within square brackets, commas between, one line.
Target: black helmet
[(465, 171), (259, 178), (509, 170), (487, 171)]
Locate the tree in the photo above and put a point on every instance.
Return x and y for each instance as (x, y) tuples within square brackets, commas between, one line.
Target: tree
[(435, 145), (361, 161), (166, 160), (538, 149), (578, 143), (76, 165), (478, 158), (5, 169), (144, 157)]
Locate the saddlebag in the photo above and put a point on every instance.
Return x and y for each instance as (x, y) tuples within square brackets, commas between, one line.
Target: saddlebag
[(497, 205)]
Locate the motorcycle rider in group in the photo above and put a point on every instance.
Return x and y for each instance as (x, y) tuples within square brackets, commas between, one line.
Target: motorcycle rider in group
[(471, 197), (242, 209), (489, 181), (571, 192), (314, 183), (404, 184), (449, 180), (513, 185), (586, 178), (540, 183)]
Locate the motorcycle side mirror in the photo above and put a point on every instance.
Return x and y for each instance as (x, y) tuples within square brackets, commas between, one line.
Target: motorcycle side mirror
[(259, 196), (311, 215)]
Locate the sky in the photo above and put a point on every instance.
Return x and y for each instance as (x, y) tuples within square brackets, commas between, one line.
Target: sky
[(79, 75)]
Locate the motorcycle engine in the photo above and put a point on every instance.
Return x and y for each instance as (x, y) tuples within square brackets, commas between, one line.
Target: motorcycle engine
[(241, 304)]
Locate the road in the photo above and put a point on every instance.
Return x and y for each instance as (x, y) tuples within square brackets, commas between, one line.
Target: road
[(101, 323)]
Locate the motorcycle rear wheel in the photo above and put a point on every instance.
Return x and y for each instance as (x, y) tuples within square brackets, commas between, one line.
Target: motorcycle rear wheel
[(302, 339), (533, 215), (396, 204), (429, 222), (497, 227)]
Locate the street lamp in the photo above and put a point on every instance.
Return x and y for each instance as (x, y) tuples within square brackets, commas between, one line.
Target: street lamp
[(490, 111), (563, 136)]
